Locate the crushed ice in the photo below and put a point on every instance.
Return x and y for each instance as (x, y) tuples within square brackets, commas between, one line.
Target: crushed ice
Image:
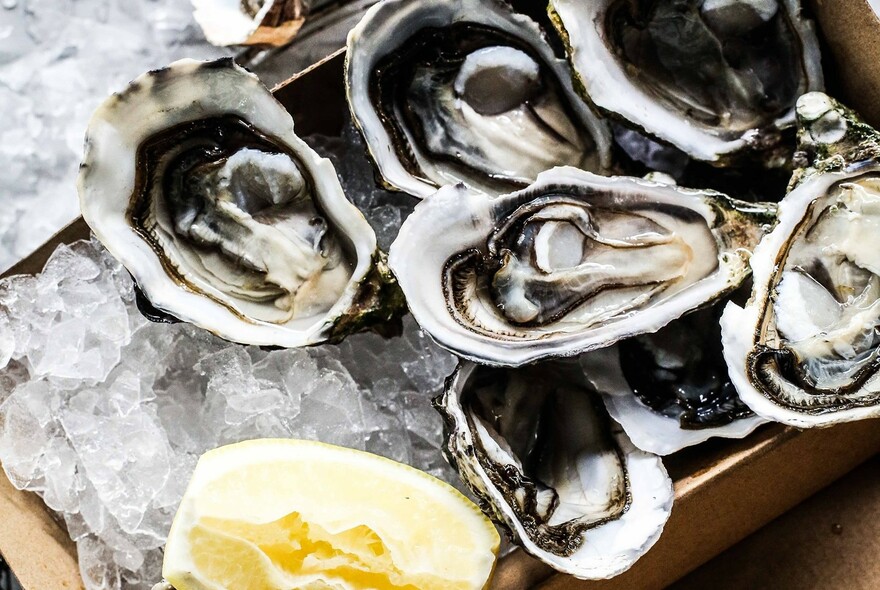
[(109, 440), (384, 210), (104, 413), (58, 60)]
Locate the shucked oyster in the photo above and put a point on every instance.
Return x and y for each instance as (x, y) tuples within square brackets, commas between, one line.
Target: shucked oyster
[(805, 350), (711, 77), (572, 263), (539, 451), (249, 22), (194, 179), (465, 91), (671, 389)]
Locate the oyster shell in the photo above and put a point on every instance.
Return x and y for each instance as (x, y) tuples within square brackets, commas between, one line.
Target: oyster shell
[(465, 91), (805, 350), (194, 179), (712, 77), (538, 450), (249, 22), (572, 263), (670, 390)]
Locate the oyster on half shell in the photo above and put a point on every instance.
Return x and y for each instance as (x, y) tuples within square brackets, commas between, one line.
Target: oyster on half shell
[(572, 263), (249, 22), (465, 91), (194, 179), (715, 78), (805, 350), (536, 447), (670, 389)]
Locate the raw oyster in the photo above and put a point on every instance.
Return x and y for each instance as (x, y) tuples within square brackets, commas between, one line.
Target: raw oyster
[(805, 350), (194, 179), (538, 450), (712, 77), (249, 22), (670, 389), (572, 263), (465, 91)]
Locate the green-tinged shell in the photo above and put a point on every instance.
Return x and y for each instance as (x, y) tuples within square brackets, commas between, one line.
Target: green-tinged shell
[(378, 305), (831, 137)]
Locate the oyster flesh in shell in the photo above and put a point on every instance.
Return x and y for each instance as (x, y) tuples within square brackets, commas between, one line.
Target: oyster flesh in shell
[(670, 389), (537, 448), (194, 179), (572, 263), (805, 350), (715, 78), (249, 22), (465, 91)]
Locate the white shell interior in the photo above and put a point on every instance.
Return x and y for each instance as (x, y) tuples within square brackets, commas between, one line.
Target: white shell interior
[(455, 220), (740, 325), (649, 430), (611, 87), (387, 26), (191, 90), (607, 549)]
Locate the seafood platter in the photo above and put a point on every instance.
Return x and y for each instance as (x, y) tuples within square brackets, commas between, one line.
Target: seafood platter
[(645, 228)]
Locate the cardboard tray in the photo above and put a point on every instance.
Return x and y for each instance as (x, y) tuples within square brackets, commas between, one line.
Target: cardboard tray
[(725, 490)]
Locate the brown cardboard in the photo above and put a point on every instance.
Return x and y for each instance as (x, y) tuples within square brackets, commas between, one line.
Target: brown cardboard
[(725, 490), (850, 31), (830, 541), (37, 548), (737, 493)]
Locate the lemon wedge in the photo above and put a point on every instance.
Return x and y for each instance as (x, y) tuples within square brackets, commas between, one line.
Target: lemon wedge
[(279, 514)]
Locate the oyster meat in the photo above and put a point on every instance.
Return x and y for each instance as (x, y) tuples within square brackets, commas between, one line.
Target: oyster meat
[(670, 389), (194, 179), (805, 350), (465, 91), (537, 448), (715, 78), (572, 263)]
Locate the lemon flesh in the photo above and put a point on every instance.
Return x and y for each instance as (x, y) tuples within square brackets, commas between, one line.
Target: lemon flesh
[(290, 514)]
